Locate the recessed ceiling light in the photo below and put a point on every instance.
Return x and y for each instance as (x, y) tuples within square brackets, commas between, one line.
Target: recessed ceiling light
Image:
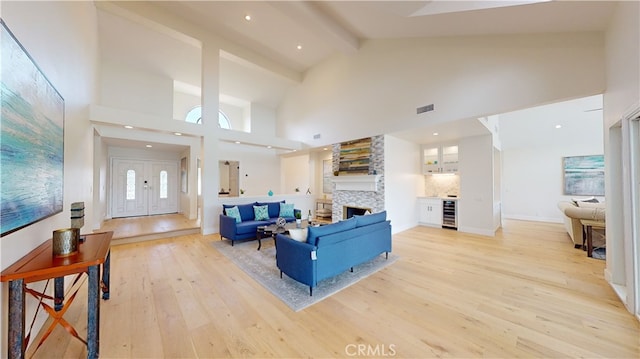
[(129, 127), (177, 133), (435, 134), (324, 149), (299, 47), (238, 142), (268, 146), (149, 146), (247, 17), (558, 126)]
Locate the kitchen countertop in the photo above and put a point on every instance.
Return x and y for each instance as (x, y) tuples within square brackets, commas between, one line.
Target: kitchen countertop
[(440, 197)]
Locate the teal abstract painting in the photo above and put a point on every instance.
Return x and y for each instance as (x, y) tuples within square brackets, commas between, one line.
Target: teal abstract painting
[(31, 139), (584, 175)]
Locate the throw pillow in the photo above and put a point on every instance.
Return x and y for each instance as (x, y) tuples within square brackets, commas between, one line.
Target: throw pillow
[(588, 199), (261, 212), (286, 210), (235, 213)]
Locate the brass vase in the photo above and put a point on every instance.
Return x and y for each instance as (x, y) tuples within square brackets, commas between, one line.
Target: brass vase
[(65, 242)]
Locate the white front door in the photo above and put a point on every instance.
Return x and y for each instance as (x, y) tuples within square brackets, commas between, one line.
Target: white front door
[(143, 187)]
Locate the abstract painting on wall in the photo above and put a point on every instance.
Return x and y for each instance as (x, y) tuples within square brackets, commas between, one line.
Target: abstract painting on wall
[(584, 175), (31, 139)]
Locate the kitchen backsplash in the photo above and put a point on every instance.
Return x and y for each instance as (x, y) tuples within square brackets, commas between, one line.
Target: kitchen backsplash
[(441, 185)]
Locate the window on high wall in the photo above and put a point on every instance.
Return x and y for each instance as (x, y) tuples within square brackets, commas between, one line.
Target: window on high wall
[(195, 116)]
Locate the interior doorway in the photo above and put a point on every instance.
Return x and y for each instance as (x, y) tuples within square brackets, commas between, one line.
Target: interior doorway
[(143, 187), (229, 178)]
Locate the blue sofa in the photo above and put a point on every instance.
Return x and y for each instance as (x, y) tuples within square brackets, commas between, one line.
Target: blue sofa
[(334, 248), (246, 229)]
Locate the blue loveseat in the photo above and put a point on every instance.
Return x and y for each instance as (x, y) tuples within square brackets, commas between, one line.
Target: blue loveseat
[(334, 248), (246, 228)]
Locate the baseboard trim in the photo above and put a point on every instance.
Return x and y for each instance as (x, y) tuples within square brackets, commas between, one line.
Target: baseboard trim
[(480, 231), (533, 218)]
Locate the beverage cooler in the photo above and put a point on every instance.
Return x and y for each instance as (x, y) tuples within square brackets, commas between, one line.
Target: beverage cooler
[(449, 213)]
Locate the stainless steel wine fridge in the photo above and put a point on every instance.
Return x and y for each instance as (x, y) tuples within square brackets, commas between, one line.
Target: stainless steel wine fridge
[(449, 214)]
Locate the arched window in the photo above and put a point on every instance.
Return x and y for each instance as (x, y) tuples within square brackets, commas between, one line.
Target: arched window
[(163, 184), (195, 116), (131, 185), (223, 120)]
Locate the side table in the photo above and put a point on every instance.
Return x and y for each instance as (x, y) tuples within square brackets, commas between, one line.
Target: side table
[(588, 226), (40, 264)]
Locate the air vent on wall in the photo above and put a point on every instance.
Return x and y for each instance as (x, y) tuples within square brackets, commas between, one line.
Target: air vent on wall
[(424, 109), (316, 136)]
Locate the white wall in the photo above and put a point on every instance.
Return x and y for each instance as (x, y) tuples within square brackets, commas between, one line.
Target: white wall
[(403, 182), (183, 103), (237, 116), (532, 151), (64, 45), (131, 89), (475, 206), (263, 119), (295, 173), (622, 94), (376, 91), (259, 168)]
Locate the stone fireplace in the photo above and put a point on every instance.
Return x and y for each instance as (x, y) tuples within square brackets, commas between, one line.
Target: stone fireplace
[(359, 191), (350, 211)]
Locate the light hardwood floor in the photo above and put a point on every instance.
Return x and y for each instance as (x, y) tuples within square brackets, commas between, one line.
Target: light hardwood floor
[(525, 293)]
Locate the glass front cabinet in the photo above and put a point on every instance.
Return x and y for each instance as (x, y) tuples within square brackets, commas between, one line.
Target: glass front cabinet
[(441, 158)]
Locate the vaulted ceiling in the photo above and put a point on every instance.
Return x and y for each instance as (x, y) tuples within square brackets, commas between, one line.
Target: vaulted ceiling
[(321, 29)]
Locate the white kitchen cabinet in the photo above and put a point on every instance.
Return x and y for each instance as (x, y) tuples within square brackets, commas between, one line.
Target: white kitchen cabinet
[(430, 211), (442, 158)]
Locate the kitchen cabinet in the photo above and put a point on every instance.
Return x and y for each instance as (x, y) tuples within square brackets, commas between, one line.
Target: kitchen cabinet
[(442, 158), (430, 211)]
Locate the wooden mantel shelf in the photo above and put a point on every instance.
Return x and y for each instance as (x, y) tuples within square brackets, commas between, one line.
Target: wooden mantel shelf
[(356, 182)]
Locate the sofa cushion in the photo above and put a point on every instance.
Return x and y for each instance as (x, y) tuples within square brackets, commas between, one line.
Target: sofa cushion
[(286, 210), (341, 236), (315, 232), (370, 218), (249, 226), (261, 213), (234, 212), (586, 204), (246, 210), (274, 208)]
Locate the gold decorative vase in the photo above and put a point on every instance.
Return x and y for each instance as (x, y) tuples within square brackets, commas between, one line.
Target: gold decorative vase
[(65, 242)]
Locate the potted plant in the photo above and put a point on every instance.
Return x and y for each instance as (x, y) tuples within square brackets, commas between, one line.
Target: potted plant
[(241, 191), (298, 219)]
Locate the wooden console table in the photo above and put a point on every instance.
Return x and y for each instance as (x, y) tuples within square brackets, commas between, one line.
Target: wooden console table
[(40, 264)]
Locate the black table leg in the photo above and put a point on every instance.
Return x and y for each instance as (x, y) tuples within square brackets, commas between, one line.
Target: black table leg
[(106, 276), (93, 318), (58, 284), (16, 319)]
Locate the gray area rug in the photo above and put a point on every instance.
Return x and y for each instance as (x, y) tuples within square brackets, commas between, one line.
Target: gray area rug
[(261, 266)]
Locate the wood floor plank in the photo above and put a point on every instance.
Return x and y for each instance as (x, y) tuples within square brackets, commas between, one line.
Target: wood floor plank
[(527, 292)]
